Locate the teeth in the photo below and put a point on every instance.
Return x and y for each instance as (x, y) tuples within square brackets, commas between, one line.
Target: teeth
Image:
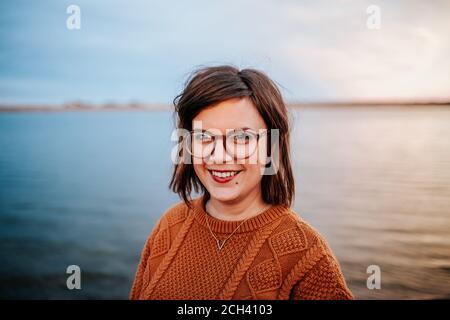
[(224, 174)]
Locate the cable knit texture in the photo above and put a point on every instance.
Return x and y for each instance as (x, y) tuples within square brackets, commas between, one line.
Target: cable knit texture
[(274, 255)]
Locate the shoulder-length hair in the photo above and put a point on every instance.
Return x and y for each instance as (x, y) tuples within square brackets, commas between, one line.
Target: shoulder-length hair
[(210, 85)]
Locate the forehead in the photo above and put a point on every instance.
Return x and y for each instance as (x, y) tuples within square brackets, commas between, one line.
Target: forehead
[(231, 114)]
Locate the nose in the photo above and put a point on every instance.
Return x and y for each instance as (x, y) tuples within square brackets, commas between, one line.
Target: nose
[(219, 153)]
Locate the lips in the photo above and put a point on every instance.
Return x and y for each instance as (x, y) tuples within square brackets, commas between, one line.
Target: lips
[(223, 176)]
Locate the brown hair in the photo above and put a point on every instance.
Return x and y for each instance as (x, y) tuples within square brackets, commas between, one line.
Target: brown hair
[(210, 85)]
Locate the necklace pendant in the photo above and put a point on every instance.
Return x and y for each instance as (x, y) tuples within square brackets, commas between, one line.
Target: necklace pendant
[(220, 245)]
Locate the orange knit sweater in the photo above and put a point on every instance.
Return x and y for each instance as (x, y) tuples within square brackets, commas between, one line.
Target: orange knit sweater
[(274, 255)]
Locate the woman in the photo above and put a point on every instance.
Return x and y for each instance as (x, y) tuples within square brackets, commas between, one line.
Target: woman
[(239, 239)]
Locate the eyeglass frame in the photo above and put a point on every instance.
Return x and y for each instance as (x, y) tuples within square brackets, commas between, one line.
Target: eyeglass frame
[(224, 138)]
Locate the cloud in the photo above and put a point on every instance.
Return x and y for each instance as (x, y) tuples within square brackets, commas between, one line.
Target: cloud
[(143, 50), (405, 59)]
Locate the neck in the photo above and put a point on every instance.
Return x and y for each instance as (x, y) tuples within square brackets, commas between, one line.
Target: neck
[(239, 209)]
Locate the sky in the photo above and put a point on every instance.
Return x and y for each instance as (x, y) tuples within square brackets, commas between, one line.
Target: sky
[(143, 51)]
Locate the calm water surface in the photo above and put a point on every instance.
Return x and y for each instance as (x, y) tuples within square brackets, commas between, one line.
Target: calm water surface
[(86, 188)]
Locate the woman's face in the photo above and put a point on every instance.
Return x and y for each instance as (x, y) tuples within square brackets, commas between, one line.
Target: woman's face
[(226, 178)]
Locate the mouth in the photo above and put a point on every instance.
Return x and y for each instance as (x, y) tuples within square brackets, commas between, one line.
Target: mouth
[(223, 176)]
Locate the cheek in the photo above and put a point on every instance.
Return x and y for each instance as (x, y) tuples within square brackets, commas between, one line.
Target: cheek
[(199, 171), (252, 175)]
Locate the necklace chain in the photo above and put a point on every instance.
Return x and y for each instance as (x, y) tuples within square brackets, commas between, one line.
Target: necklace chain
[(221, 244)]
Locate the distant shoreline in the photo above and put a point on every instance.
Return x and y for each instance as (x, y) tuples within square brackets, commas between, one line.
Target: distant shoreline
[(84, 107), (167, 107)]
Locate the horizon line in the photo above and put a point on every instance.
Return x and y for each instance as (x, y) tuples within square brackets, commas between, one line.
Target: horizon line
[(133, 105)]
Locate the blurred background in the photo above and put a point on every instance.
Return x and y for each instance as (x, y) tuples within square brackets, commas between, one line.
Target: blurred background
[(86, 117)]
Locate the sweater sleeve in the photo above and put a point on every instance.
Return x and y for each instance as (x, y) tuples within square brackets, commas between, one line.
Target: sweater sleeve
[(145, 254), (324, 281)]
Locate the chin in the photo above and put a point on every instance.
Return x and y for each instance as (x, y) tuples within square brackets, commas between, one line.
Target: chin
[(224, 195)]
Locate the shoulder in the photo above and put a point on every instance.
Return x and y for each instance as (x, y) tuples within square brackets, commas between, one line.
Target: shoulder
[(294, 236), (172, 216), (175, 214), (164, 231), (311, 263)]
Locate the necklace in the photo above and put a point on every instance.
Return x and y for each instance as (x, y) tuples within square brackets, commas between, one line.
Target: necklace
[(221, 244)]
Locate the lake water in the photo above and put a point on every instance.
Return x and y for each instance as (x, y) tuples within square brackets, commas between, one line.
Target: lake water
[(85, 188)]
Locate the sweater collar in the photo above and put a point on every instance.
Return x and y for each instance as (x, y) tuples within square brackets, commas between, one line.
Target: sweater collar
[(222, 226)]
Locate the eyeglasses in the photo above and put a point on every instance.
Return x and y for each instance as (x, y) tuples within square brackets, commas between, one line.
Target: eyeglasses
[(238, 143)]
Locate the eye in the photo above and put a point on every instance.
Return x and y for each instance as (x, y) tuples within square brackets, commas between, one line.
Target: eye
[(202, 137), (241, 137)]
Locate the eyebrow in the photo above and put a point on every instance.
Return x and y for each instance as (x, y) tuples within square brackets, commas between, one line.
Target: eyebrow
[(243, 128)]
